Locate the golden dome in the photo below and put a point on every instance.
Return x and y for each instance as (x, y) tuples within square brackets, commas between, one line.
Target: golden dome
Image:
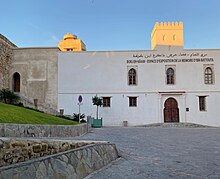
[(69, 36)]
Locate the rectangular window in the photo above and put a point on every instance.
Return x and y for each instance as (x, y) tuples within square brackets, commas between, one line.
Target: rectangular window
[(106, 101), (202, 103), (132, 101)]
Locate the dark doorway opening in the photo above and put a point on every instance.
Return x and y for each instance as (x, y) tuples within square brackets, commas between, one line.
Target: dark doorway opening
[(16, 82)]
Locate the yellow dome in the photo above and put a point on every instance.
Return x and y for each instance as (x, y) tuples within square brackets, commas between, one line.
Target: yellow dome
[(69, 36)]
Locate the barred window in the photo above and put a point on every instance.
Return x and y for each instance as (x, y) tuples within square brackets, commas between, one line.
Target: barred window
[(202, 103), (106, 101), (208, 76), (132, 77), (132, 101), (170, 76)]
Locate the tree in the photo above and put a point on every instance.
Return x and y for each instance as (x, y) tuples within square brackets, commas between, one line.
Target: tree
[(8, 96), (97, 101)]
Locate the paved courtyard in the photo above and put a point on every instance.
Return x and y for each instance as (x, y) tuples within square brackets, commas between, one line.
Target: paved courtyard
[(161, 152)]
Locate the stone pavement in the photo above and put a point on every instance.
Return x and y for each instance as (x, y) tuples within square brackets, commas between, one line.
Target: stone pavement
[(160, 152)]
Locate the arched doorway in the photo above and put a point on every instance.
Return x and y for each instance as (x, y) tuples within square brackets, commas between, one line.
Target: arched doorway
[(171, 110), (16, 82)]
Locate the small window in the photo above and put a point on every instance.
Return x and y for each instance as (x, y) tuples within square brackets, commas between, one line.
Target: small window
[(174, 37), (170, 76), (106, 101), (132, 77), (202, 103), (208, 76), (164, 37), (132, 101)]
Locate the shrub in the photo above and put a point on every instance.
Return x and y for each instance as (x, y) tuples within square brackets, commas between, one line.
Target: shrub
[(64, 117), (20, 104), (8, 96), (76, 117)]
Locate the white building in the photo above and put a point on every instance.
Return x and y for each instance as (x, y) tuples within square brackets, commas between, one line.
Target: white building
[(167, 84)]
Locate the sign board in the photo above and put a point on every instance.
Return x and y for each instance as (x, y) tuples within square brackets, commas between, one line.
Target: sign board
[(80, 99)]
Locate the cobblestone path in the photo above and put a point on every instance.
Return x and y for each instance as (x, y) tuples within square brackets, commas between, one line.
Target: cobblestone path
[(161, 152)]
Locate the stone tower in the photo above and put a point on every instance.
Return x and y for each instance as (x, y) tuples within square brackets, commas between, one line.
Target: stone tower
[(70, 42), (167, 34)]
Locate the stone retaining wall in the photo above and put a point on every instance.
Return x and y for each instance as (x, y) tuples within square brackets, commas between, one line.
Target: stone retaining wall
[(28, 130), (18, 150), (75, 163)]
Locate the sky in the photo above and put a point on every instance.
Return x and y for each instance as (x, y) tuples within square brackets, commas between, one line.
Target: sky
[(108, 24)]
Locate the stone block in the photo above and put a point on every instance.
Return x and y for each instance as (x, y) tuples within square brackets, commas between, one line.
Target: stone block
[(44, 147), (11, 130), (2, 130), (37, 148)]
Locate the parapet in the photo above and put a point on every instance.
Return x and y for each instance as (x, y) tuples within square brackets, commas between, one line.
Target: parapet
[(167, 25)]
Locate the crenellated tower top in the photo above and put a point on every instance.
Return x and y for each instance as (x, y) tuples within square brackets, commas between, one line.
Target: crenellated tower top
[(167, 34)]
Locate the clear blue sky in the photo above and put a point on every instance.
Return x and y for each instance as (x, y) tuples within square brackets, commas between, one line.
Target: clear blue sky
[(108, 24)]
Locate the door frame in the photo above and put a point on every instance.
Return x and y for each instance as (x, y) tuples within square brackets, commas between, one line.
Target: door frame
[(180, 97)]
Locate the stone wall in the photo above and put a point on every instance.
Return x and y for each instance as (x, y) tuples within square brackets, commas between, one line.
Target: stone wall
[(38, 71), (6, 59), (19, 150), (28, 130), (75, 163), (37, 68)]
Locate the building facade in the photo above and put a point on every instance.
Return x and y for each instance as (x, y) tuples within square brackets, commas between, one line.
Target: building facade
[(32, 72), (142, 87), (165, 84)]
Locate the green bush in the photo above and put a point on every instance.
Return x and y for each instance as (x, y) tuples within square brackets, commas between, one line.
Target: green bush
[(8, 96), (76, 117)]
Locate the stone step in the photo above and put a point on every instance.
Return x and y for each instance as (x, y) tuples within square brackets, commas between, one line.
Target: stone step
[(175, 125)]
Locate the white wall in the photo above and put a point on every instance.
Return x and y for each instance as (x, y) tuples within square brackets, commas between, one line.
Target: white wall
[(105, 74)]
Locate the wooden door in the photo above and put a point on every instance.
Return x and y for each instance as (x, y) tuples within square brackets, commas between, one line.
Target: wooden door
[(171, 110)]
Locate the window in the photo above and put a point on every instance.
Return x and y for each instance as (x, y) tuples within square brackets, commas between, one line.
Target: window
[(170, 76), (132, 101), (174, 37), (132, 77), (106, 101), (208, 76), (202, 103), (164, 37)]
